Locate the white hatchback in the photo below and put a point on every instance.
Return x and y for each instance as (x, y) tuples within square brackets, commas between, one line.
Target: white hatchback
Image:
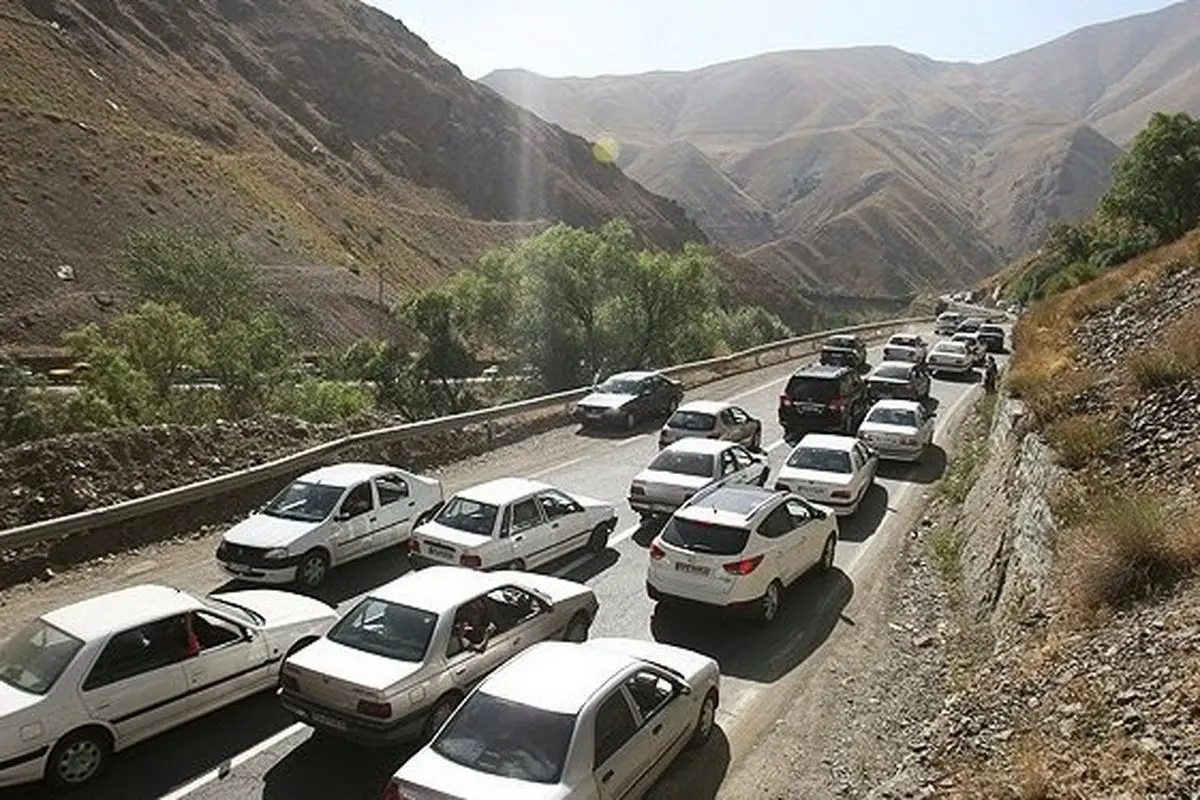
[(90, 679), (834, 470), (738, 548), (512, 522), (326, 518)]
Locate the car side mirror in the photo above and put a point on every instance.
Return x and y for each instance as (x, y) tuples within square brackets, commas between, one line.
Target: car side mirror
[(342, 515)]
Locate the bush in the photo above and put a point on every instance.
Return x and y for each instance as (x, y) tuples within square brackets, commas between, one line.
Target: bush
[(1154, 369), (320, 401), (1082, 438)]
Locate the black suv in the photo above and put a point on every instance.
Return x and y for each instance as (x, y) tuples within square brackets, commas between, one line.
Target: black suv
[(824, 398), (844, 350), (992, 337)]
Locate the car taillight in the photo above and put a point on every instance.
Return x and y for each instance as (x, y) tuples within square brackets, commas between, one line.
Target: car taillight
[(657, 552), (744, 567), (371, 709), (841, 494), (637, 489), (414, 545), (392, 791), (784, 400), (837, 402), (468, 560)]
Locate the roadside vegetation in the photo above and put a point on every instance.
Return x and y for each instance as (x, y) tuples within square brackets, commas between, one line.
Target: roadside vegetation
[(971, 448), (200, 343)]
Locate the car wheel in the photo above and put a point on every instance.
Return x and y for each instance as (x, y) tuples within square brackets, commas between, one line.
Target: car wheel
[(768, 604), (517, 564), (706, 721), (577, 628), (828, 553), (440, 713), (598, 541), (313, 569), (78, 758)]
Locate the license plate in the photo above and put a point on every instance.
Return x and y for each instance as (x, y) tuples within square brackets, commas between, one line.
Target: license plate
[(239, 569), (813, 407), (440, 552), (692, 569), (328, 721)]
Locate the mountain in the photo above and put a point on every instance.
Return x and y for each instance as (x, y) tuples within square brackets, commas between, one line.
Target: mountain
[(341, 150), (880, 171)]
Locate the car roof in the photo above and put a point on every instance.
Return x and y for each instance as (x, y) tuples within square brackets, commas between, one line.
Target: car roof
[(827, 441), (346, 474), (695, 444), (439, 588), (821, 371), (99, 616), (503, 490), (578, 671), (705, 406), (730, 505), (897, 404)]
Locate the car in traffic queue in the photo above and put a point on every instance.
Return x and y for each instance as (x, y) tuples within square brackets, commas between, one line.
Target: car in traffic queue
[(898, 379), (515, 523), (947, 323), (736, 548), (689, 465), (952, 357), (833, 470), (895, 352), (326, 518), (712, 419), (911, 340), (93, 678), (974, 344), (819, 397), (626, 399), (898, 430), (992, 337), (970, 325), (845, 350), (594, 721), (398, 663)]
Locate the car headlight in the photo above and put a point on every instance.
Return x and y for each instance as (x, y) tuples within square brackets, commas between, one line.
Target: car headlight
[(276, 554)]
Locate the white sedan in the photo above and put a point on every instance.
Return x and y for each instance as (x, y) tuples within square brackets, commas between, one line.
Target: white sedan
[(512, 522), (832, 470), (951, 356), (326, 518), (398, 663), (689, 465), (592, 721), (90, 679), (900, 430)]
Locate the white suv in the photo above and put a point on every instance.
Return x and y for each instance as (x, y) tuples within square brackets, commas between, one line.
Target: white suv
[(738, 547)]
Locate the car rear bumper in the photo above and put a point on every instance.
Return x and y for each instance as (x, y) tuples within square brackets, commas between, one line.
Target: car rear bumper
[(951, 367), (343, 726), (727, 605), (898, 452), (648, 505)]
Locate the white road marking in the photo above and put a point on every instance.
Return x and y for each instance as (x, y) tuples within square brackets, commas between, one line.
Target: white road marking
[(623, 535), (543, 472), (633, 440), (227, 766), (755, 390)]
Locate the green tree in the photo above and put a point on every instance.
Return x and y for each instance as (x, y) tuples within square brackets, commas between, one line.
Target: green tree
[(252, 360), (21, 417), (1157, 183)]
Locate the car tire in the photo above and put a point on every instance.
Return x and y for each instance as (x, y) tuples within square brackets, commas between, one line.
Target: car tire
[(517, 565), (598, 541), (79, 758), (578, 628), (706, 721), (313, 569), (828, 553), (770, 603), (440, 712)]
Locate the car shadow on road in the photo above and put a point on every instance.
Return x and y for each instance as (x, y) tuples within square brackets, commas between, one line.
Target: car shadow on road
[(647, 529), (646, 426), (350, 579), (971, 376), (585, 571), (811, 608), (321, 767), (930, 468), (859, 526), (695, 773)]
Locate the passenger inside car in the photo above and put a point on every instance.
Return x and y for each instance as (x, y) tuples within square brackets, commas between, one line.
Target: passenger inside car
[(472, 625)]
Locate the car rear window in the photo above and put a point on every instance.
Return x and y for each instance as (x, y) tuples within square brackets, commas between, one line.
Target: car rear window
[(386, 629), (704, 537), (33, 659), (957, 348), (501, 737), (698, 464), (615, 385), (992, 329), (692, 421), (811, 390), (893, 416), (896, 371), (821, 459)]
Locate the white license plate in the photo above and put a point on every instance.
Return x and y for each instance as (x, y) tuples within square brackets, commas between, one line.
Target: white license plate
[(812, 407), (443, 553), (692, 569), (328, 721)]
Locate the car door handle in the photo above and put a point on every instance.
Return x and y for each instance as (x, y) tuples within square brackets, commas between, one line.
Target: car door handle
[(656, 729), (516, 641), (606, 777), (555, 525), (101, 706), (372, 519), (460, 670), (520, 537)]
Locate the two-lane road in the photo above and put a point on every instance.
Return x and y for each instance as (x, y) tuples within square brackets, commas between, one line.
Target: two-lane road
[(253, 749)]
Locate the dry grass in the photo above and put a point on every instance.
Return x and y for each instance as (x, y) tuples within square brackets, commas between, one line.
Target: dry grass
[(1175, 359), (1080, 439)]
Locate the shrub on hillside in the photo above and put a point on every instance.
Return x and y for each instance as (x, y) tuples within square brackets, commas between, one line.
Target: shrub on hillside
[(1080, 439)]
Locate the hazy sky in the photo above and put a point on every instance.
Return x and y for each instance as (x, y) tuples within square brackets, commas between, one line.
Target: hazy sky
[(573, 37)]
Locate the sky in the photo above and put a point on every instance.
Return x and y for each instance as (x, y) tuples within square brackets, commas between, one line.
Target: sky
[(573, 37)]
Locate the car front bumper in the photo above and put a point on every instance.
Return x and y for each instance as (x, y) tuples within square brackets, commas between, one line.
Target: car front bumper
[(276, 576)]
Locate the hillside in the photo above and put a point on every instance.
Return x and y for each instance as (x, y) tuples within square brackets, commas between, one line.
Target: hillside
[(883, 171), (323, 134)]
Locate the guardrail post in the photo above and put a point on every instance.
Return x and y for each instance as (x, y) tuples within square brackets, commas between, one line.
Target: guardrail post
[(491, 432)]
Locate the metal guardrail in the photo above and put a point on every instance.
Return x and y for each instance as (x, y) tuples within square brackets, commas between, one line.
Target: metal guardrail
[(297, 463)]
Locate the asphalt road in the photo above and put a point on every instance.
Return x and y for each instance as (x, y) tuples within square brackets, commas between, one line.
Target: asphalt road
[(254, 750)]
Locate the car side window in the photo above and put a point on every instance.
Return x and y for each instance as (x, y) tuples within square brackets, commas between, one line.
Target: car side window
[(615, 725), (556, 504), (776, 524), (390, 488), (798, 513), (728, 464), (650, 692), (860, 455), (525, 515), (210, 631), (509, 606), (742, 457), (358, 501), (140, 650)]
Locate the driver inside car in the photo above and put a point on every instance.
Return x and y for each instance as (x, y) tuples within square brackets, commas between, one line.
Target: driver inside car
[(473, 625)]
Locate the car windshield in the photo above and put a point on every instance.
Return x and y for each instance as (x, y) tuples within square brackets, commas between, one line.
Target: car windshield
[(704, 537), (34, 658), (386, 629), (468, 515), (617, 385), (307, 502), (955, 348), (811, 390), (893, 416), (841, 341), (820, 458), (692, 421), (698, 464), (501, 737), (898, 372), (837, 355)]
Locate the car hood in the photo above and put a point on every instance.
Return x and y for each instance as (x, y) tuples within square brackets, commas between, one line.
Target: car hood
[(815, 475), (348, 665), (891, 430), (444, 533), (648, 476), (280, 608), (261, 530), (428, 770), (605, 400), (14, 701)]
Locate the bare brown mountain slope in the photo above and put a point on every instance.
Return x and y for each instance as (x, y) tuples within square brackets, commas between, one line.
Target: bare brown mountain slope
[(988, 154), (330, 139)]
